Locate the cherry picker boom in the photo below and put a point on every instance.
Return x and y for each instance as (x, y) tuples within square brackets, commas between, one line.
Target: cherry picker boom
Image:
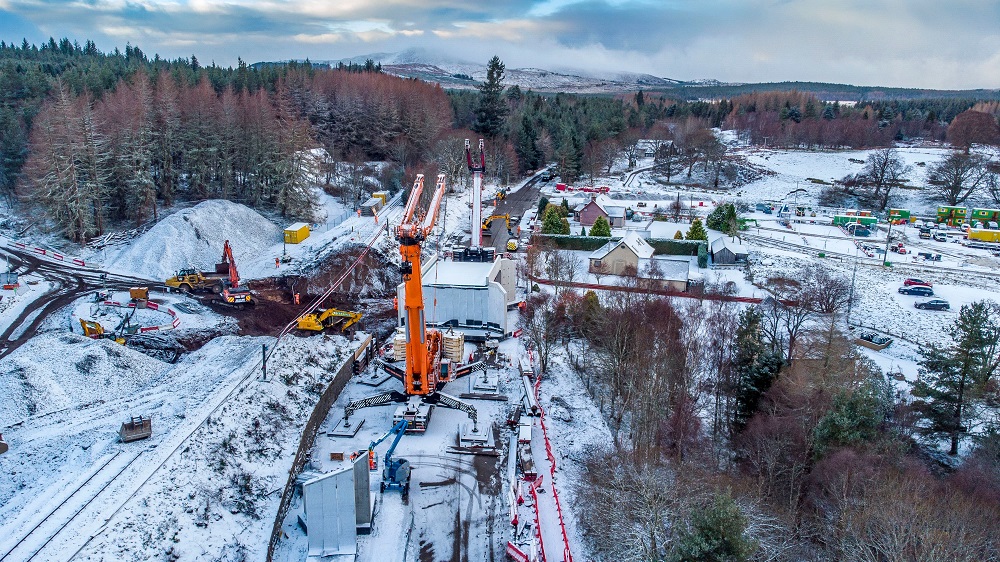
[(424, 373)]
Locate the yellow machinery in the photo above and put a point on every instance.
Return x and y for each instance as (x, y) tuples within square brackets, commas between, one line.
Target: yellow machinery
[(94, 330), (317, 321), (489, 220)]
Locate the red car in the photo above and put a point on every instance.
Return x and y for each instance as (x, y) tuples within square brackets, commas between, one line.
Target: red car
[(911, 281)]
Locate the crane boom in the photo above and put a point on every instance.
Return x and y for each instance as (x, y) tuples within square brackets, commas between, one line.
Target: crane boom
[(422, 346)]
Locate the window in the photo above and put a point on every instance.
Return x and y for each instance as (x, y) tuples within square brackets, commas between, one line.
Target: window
[(596, 263)]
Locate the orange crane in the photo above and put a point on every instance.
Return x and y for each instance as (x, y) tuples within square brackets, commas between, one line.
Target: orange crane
[(422, 375)]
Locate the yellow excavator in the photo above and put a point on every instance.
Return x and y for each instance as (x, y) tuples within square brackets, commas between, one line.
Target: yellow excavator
[(94, 330), (329, 318), (489, 220)]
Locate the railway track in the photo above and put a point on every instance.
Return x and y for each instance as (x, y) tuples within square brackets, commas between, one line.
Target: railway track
[(57, 516)]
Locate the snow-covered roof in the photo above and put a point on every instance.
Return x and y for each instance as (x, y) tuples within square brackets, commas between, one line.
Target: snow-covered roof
[(638, 245), (604, 250), (731, 244), (632, 240), (671, 269), (666, 230), (615, 211), (457, 274), (297, 226)]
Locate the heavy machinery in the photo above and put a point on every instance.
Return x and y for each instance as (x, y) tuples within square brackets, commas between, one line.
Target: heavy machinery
[(395, 471), (224, 281), (328, 318), (424, 371), (93, 329), (489, 220)]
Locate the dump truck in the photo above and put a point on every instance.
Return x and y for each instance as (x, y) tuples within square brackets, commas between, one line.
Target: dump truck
[(224, 282), (328, 318)]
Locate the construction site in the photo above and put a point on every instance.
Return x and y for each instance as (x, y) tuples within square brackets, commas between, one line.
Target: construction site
[(435, 448), (418, 435)]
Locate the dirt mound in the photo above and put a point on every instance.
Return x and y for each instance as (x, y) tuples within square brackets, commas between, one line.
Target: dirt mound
[(194, 237), (369, 290)]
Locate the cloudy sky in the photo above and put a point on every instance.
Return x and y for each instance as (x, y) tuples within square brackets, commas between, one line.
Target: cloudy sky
[(913, 43)]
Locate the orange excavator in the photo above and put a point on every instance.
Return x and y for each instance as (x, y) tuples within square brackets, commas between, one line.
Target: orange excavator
[(423, 373)]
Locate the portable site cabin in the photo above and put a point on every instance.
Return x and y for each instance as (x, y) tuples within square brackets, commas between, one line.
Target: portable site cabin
[(984, 235), (898, 216), (136, 429), (842, 220), (9, 280), (985, 216), (296, 233), (952, 216)]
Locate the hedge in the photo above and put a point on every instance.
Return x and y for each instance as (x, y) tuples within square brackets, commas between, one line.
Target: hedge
[(661, 246)]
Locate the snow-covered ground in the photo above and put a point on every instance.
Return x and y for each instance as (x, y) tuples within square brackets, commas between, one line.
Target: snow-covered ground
[(176, 495)]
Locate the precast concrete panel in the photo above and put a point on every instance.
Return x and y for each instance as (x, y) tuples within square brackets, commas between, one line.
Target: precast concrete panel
[(329, 507)]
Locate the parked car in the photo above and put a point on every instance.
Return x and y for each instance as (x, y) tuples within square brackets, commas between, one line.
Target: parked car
[(933, 304), (919, 290), (914, 281)]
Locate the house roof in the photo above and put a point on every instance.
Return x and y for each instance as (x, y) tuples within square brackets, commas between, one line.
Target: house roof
[(615, 211), (604, 250), (632, 240), (730, 244), (670, 269)]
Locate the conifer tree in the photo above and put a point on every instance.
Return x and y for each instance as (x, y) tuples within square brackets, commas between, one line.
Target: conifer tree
[(492, 109), (601, 227), (697, 231)]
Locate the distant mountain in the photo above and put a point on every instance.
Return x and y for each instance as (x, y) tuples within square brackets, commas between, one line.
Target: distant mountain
[(451, 72)]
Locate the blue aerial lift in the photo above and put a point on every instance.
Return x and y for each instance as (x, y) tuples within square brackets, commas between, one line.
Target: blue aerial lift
[(395, 471)]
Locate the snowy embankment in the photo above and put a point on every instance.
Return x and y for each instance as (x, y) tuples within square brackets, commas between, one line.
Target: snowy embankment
[(217, 497), (194, 237), (55, 371)]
